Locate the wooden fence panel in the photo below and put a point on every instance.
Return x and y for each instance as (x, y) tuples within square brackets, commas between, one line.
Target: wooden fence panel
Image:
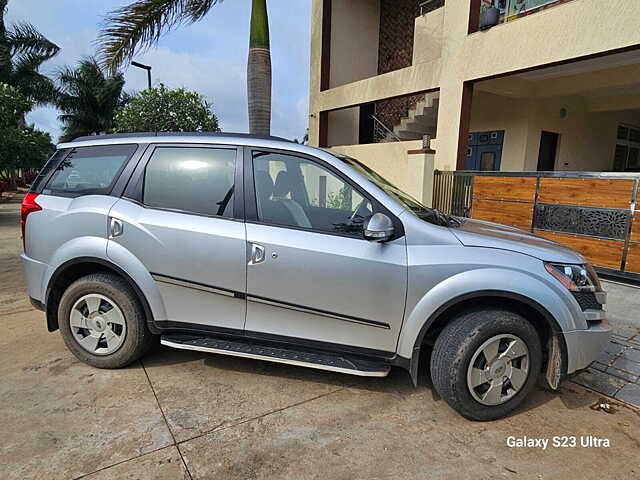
[(505, 188), (635, 228), (592, 192), (507, 213), (633, 259), (601, 252)]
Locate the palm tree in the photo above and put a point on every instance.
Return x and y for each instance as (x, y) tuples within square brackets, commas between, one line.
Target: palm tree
[(142, 23), (88, 99), (22, 51)]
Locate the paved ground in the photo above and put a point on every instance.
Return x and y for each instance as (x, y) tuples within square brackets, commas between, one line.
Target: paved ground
[(187, 415)]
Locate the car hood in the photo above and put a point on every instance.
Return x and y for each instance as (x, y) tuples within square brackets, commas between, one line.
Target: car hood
[(476, 233)]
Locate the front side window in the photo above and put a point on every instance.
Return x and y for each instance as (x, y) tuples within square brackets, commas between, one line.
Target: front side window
[(89, 170), (191, 179), (297, 192)]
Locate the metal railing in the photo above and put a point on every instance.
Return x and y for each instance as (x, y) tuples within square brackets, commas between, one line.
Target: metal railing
[(382, 133), (453, 192), (430, 5)]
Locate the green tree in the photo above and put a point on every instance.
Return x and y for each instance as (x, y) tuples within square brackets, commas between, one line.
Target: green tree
[(164, 110), (142, 23), (22, 51), (23, 148), (88, 99)]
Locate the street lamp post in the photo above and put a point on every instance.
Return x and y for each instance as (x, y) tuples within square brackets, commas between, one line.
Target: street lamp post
[(144, 67)]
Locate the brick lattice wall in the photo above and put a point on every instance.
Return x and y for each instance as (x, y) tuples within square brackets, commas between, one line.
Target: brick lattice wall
[(395, 51)]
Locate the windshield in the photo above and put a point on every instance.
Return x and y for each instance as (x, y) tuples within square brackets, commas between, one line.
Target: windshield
[(410, 203), (430, 215)]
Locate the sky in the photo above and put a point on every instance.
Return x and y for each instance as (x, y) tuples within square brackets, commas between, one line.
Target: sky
[(209, 57)]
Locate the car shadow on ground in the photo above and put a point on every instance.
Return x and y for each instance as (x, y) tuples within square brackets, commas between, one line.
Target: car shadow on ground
[(398, 383)]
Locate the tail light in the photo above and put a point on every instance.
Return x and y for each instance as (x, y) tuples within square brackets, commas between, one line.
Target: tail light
[(29, 205)]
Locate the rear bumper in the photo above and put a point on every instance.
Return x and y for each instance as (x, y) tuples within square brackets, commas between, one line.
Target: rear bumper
[(33, 275), (584, 346)]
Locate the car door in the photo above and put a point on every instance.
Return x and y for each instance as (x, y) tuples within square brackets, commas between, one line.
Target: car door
[(311, 275), (181, 216)]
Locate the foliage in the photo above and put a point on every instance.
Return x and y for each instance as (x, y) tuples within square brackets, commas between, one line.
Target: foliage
[(88, 99), (341, 200), (13, 106), (22, 147), (142, 23), (165, 110), (22, 51)]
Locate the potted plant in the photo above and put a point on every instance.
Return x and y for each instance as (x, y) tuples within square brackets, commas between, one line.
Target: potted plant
[(489, 15)]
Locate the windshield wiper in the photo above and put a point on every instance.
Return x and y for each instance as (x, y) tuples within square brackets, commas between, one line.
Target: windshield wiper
[(437, 217)]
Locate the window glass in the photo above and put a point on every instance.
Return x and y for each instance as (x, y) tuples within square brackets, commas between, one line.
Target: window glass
[(48, 167), (189, 179), (89, 170), (297, 192)]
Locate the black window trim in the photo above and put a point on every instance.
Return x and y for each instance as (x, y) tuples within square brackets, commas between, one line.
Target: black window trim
[(134, 188), (115, 187), (250, 202), (54, 166)]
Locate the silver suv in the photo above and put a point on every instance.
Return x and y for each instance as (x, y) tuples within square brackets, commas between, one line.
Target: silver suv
[(266, 249)]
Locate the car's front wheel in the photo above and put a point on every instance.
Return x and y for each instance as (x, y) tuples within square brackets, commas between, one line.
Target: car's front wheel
[(485, 363), (102, 321)]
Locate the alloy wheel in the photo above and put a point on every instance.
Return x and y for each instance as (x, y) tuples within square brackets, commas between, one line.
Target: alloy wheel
[(97, 324), (498, 369)]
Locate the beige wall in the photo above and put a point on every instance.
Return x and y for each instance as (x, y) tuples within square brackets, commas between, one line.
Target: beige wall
[(587, 138), (344, 127), (412, 173), (571, 30), (355, 25), (495, 112)]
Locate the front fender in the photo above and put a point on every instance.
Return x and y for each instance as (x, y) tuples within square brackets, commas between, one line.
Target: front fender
[(550, 301)]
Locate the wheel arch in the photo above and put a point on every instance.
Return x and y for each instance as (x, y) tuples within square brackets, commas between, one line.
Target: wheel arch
[(71, 270), (542, 320)]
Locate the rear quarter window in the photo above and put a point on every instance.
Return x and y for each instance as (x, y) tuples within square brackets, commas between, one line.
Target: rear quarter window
[(89, 170)]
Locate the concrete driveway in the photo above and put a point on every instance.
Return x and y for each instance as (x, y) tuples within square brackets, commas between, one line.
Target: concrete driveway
[(187, 415)]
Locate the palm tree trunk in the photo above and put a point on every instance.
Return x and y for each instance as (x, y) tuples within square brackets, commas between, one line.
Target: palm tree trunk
[(259, 71)]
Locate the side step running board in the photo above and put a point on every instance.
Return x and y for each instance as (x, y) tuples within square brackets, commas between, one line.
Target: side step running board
[(321, 361)]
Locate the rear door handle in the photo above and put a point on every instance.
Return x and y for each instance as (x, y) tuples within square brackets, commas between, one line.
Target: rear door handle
[(257, 254), (116, 227)]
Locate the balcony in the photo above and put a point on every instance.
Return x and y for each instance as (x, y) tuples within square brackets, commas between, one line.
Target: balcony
[(494, 12)]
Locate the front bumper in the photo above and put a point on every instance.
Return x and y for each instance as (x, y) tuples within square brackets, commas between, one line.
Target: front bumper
[(585, 346)]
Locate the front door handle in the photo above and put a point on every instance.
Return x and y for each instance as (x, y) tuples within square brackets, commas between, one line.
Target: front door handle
[(257, 254)]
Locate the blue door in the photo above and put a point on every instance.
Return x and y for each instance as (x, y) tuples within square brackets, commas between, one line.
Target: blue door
[(485, 150)]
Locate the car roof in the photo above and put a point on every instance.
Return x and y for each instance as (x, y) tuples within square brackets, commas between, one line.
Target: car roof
[(180, 137)]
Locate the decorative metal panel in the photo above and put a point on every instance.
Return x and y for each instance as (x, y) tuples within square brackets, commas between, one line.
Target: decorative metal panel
[(595, 222)]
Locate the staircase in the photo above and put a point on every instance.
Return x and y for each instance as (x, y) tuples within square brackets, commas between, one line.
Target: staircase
[(421, 120)]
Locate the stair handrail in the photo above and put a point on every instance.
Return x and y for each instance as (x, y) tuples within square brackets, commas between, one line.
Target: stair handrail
[(381, 131)]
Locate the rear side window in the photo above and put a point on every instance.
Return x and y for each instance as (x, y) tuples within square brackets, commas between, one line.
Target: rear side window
[(38, 182), (89, 170), (191, 179)]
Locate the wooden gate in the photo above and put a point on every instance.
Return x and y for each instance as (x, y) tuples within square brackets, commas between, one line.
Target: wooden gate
[(594, 213)]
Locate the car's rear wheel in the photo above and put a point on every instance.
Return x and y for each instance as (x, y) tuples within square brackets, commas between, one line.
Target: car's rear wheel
[(102, 321), (485, 363)]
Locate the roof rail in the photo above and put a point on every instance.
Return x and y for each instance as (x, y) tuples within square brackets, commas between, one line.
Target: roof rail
[(111, 136)]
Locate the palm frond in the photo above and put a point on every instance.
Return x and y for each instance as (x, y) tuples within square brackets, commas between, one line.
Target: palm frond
[(25, 38), (140, 25)]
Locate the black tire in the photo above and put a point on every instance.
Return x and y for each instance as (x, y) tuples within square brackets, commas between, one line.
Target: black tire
[(454, 350), (138, 339)]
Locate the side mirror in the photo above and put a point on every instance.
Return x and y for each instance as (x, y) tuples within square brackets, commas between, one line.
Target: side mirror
[(378, 228)]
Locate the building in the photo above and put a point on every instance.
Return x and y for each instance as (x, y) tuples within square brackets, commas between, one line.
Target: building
[(509, 85)]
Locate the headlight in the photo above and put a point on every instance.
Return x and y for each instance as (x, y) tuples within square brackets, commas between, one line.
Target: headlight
[(577, 278)]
